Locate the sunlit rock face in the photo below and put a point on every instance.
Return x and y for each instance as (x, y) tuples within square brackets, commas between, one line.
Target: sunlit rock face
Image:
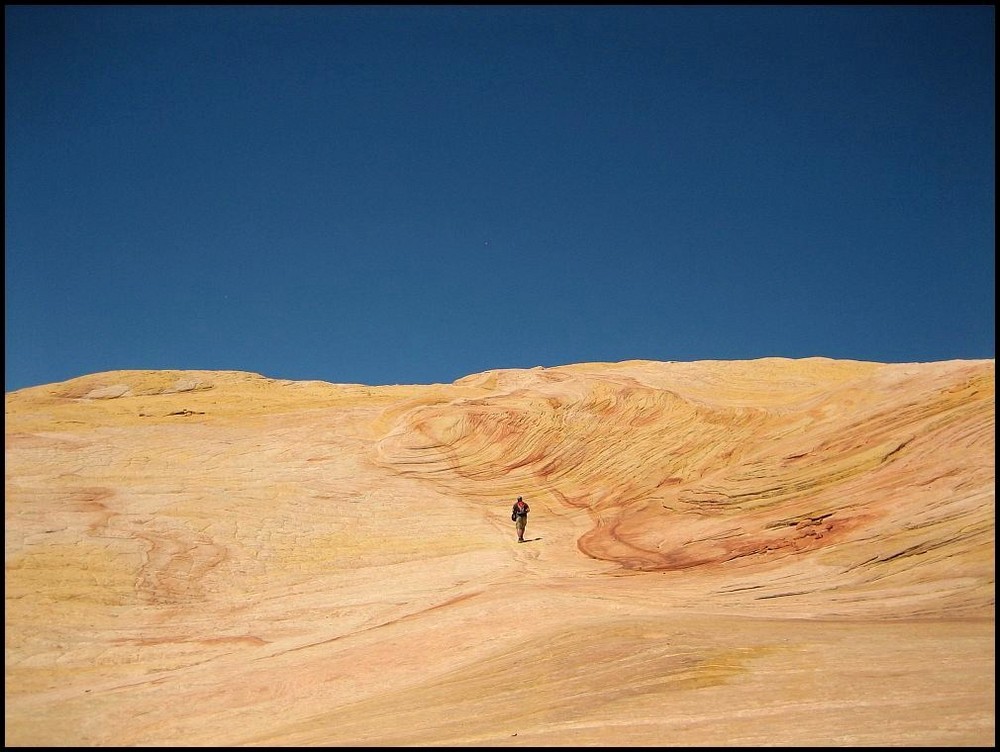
[(766, 552)]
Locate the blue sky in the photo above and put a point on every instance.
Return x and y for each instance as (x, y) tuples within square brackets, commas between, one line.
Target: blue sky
[(411, 194)]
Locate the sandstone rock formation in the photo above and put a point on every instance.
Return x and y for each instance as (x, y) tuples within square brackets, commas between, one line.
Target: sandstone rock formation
[(768, 552)]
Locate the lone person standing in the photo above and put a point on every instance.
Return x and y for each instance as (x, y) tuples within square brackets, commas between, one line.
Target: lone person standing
[(519, 514)]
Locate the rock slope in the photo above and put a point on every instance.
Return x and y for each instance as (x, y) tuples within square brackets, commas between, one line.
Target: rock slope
[(719, 553)]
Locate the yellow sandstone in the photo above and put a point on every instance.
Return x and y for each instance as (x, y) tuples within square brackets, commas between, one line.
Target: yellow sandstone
[(771, 552)]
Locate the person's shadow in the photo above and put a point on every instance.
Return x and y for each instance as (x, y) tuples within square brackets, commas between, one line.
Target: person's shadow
[(531, 540)]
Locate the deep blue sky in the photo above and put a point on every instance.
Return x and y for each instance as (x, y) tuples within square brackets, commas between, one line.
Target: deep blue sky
[(411, 194)]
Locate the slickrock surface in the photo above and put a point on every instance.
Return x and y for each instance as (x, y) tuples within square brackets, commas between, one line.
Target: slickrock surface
[(768, 552)]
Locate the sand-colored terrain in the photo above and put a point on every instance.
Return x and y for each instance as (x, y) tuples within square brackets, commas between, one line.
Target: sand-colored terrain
[(719, 553)]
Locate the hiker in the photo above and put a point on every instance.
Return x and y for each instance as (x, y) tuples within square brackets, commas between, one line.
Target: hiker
[(519, 515)]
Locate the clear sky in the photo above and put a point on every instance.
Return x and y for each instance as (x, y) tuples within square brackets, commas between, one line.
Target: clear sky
[(411, 194)]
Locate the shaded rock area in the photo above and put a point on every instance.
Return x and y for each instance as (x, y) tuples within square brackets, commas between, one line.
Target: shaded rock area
[(719, 553)]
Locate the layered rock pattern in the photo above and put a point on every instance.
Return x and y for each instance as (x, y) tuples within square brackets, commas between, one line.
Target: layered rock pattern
[(719, 553)]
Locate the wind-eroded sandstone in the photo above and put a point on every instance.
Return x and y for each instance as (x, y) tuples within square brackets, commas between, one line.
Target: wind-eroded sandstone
[(719, 553)]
